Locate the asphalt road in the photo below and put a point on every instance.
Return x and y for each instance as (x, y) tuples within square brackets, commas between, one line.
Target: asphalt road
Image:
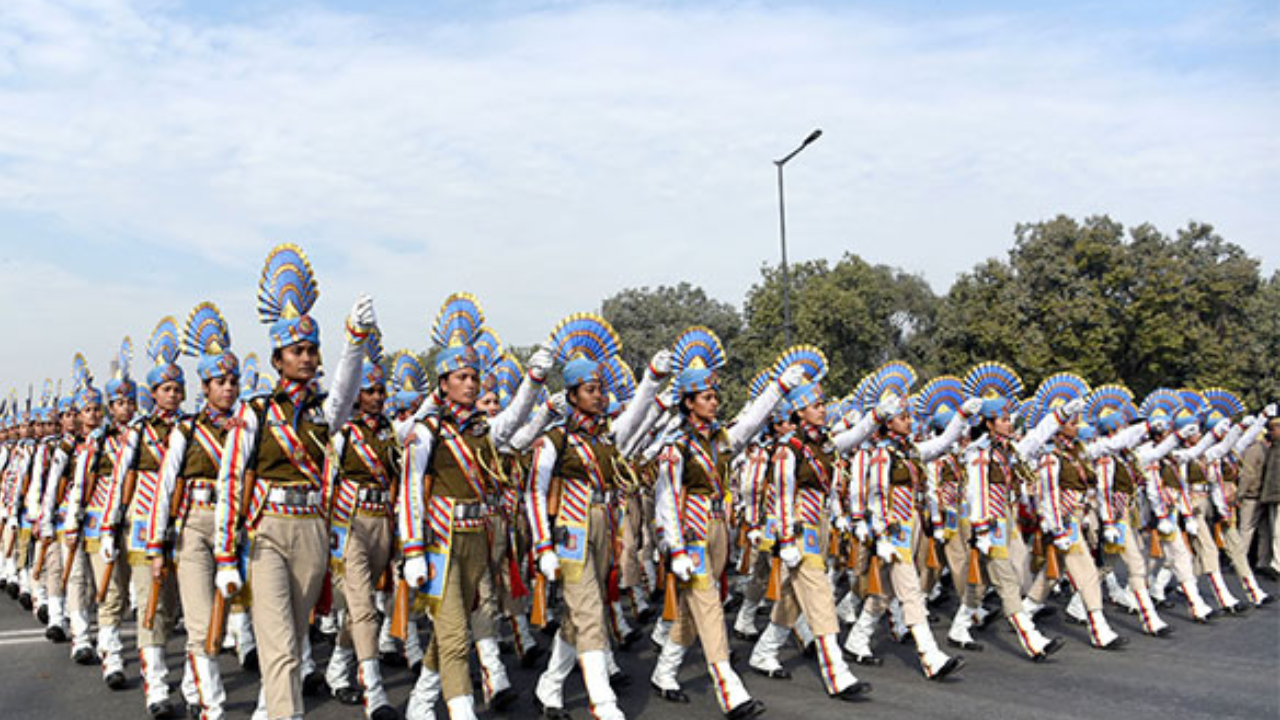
[(1229, 669)]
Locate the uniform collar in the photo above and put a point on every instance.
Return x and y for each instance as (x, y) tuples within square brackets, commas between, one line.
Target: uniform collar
[(297, 392), (590, 424)]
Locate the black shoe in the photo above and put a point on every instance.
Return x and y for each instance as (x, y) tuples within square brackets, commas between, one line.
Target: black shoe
[(619, 680), (550, 713), (56, 634), (630, 638), (392, 659), (84, 656), (646, 616), (162, 709), (194, 711), (1238, 608), (13, 590), (1047, 611), (776, 674), (415, 669), (866, 660), (250, 661), (502, 699), (384, 712), (550, 628), (964, 645), (1267, 573), (671, 696), (951, 665), (983, 622), (853, 692), (1266, 600), (1115, 644), (810, 651), (1055, 644), (531, 656), (748, 709), (1165, 631), (1073, 620), (349, 695), (25, 601), (739, 635), (115, 680), (734, 602), (42, 614), (314, 683), (1164, 604)]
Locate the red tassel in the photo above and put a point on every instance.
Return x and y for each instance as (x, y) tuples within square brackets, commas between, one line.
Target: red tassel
[(614, 593), (518, 589), (325, 603)]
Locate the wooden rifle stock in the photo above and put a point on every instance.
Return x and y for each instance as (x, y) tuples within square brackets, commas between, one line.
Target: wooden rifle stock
[(773, 590), (400, 611), (69, 561), (931, 560), (874, 586), (538, 613), (1217, 536), (854, 549), (975, 566), (105, 583), (40, 557), (1051, 569), (153, 598), (670, 599), (744, 562), (1157, 550), (217, 625)]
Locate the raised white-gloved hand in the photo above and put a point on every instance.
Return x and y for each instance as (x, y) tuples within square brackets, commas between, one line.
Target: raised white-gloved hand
[(540, 363), (1221, 427), (983, 543), (1165, 527), (888, 406), (1192, 527), (1158, 426), (971, 407), (862, 531), (549, 564), (792, 378), (660, 365), (107, 548), (939, 533), (884, 549), (228, 580), (1111, 534), (1062, 542), (362, 315), (1070, 408), (1189, 431), (415, 571), (754, 536), (682, 566), (842, 523), (1271, 410), (1249, 421), (789, 555)]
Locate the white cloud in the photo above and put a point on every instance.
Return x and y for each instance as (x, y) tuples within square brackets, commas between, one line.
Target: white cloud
[(547, 159)]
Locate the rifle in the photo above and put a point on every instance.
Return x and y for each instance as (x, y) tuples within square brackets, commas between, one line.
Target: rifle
[(69, 561), (218, 618), (975, 566), (538, 613), (1217, 536), (1157, 550), (773, 590), (40, 557), (400, 611), (157, 581), (1051, 569), (874, 586), (670, 600), (105, 583)]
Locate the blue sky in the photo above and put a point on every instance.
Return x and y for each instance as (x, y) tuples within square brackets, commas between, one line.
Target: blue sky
[(152, 151)]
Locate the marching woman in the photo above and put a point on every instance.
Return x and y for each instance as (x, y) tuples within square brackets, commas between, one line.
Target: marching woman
[(183, 513), (570, 502), (895, 479), (993, 489), (693, 481), (272, 497), (53, 522), (451, 475)]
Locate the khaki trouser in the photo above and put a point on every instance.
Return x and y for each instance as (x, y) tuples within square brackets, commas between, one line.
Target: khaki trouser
[(287, 562), (630, 571), (586, 600), (758, 581), (1202, 543), (1253, 522), (450, 644), (904, 583), (77, 590), (1177, 555), (805, 588), (1134, 559), (701, 615), (1079, 567), (111, 609), (1003, 572), (195, 572), (366, 556), (141, 580), (956, 551)]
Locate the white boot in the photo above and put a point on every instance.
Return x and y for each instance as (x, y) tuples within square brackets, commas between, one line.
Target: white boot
[(1118, 594), (959, 635), (1159, 583), (639, 601), (80, 643), (728, 687), (744, 625), (836, 677), (764, 655), (897, 623), (375, 694), (1034, 644), (190, 685), (1076, 611), (462, 708), (493, 674), (1226, 600), (308, 662), (386, 643), (595, 675), (1101, 634), (1031, 607), (246, 644), (111, 650), (524, 636), (58, 613), (413, 652), (550, 688), (857, 644), (422, 700), (1152, 623), (337, 674), (260, 711), (213, 696), (620, 621), (847, 608), (661, 630), (665, 670), (804, 635), (1253, 590), (1200, 610), (935, 663), (155, 675)]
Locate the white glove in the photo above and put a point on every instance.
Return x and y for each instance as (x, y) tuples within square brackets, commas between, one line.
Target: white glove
[(1193, 527), (939, 533), (682, 567), (540, 364), (1071, 408), (108, 548), (1249, 421), (1187, 432), (1221, 427), (549, 564), (842, 523), (754, 536), (362, 316), (790, 555), (862, 531), (971, 407), (1271, 410), (1158, 426), (888, 406), (228, 580), (885, 550), (1111, 534), (660, 365), (1062, 542), (415, 571), (792, 378), (878, 527), (1165, 527), (983, 543), (558, 403)]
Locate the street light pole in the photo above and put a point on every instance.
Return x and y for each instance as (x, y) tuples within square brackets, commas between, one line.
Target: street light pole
[(782, 231)]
